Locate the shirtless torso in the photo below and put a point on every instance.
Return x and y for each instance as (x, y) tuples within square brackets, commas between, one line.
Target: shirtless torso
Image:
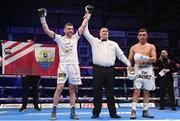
[(145, 50)]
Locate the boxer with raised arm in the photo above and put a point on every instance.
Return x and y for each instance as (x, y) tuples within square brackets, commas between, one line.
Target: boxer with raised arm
[(68, 68)]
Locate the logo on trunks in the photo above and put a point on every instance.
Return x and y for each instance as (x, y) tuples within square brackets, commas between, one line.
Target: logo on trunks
[(45, 56), (144, 75), (61, 76)]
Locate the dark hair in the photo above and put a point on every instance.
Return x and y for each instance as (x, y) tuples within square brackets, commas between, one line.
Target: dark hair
[(142, 30), (68, 24), (30, 41), (103, 27)]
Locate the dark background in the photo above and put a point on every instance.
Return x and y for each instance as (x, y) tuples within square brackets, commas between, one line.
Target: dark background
[(118, 15)]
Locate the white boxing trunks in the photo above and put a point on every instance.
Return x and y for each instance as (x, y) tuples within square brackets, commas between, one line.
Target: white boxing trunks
[(70, 72), (145, 77)]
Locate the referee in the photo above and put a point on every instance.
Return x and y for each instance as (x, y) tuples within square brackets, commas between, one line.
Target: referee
[(104, 52)]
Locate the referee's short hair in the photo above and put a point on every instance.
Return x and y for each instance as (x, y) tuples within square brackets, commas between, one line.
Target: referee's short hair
[(104, 27)]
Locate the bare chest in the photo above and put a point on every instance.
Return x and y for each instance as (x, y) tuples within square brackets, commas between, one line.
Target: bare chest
[(144, 50)]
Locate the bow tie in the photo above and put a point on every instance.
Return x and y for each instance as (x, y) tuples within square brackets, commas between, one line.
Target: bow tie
[(103, 40)]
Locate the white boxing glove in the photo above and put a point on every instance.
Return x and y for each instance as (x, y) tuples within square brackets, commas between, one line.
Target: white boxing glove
[(141, 57), (131, 75), (145, 58)]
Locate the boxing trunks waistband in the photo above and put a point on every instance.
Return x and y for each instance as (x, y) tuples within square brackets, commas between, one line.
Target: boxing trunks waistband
[(143, 65)]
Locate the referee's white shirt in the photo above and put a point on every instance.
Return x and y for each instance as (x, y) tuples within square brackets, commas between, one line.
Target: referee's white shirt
[(104, 52)]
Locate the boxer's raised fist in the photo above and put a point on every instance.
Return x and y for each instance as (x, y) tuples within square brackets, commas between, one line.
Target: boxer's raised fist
[(89, 9), (42, 12)]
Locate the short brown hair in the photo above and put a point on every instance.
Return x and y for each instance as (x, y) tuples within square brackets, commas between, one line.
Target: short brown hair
[(103, 27), (68, 24), (142, 30), (30, 41)]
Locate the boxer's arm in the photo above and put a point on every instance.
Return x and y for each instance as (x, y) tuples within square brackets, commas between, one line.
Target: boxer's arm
[(87, 35), (130, 71), (42, 13), (88, 9), (83, 25), (131, 55), (130, 58), (49, 32), (153, 57)]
